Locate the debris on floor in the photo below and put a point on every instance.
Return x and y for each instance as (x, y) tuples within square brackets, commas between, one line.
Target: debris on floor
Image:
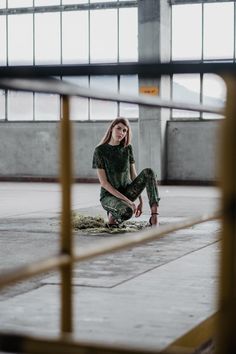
[(96, 224)]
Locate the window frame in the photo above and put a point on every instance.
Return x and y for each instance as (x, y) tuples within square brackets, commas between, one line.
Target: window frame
[(62, 8), (202, 60)]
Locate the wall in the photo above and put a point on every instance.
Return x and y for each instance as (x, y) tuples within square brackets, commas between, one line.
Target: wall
[(192, 151), (30, 149)]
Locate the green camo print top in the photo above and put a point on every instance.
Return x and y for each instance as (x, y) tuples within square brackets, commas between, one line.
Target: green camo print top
[(116, 161)]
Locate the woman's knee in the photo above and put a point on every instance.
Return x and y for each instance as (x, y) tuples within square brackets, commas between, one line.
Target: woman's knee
[(148, 172), (126, 213)]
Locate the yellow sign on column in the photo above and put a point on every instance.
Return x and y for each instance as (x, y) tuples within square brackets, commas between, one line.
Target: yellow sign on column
[(149, 90)]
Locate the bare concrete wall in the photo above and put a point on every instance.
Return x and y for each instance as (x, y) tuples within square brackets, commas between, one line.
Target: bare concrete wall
[(192, 153), (30, 149)]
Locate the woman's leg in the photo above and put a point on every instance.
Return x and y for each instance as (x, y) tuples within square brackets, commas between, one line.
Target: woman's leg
[(118, 209), (147, 179), (154, 215)]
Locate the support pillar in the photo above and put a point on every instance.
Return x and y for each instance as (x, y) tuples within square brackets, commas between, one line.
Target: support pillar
[(154, 46)]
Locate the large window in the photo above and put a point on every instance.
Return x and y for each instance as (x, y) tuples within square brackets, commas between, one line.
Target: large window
[(76, 51), (103, 36), (43, 32), (3, 41), (203, 32), (186, 32), (47, 38), (20, 39)]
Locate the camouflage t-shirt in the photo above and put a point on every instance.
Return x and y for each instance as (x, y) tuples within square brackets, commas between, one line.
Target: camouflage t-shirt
[(116, 161)]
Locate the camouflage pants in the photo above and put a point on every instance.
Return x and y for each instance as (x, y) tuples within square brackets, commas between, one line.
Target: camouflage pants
[(119, 209)]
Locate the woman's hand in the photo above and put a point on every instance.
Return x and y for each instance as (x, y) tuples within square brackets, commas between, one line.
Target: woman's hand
[(139, 210), (133, 206)]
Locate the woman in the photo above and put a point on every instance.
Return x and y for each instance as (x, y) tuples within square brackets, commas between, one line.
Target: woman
[(120, 185)]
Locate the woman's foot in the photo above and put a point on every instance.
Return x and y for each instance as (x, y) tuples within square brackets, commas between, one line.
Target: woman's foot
[(153, 221), (112, 221)]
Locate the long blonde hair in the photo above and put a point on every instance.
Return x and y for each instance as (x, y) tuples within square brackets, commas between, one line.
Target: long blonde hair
[(107, 137)]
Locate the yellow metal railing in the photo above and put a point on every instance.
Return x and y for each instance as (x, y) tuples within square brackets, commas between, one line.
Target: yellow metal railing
[(105, 247), (66, 232), (65, 260), (227, 292)]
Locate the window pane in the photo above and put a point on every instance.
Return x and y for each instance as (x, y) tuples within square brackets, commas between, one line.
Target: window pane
[(78, 106), (2, 104), (218, 30), (103, 35), (214, 93), (128, 34), (75, 24), (186, 32), (21, 3), (47, 106), (129, 86), (3, 4), (47, 38), (46, 2), (3, 58), (20, 105), (103, 109), (186, 88), (20, 39)]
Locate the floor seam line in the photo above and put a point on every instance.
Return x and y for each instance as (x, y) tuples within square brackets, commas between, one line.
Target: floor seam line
[(160, 265)]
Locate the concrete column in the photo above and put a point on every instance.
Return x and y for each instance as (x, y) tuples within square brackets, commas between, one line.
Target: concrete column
[(154, 46)]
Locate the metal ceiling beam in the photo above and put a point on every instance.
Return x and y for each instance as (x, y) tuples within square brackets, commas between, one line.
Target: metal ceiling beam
[(132, 68)]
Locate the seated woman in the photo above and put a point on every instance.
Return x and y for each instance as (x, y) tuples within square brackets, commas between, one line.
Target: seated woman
[(120, 186)]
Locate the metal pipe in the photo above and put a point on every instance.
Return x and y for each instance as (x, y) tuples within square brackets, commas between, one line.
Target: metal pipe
[(66, 233), (198, 336), (28, 271), (227, 290), (105, 247), (19, 343), (145, 69), (64, 88), (139, 238), (70, 7)]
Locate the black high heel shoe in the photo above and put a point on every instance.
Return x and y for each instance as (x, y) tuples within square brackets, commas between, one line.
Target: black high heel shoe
[(150, 220)]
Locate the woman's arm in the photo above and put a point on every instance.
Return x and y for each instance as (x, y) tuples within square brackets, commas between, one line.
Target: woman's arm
[(106, 185), (133, 175), (133, 172)]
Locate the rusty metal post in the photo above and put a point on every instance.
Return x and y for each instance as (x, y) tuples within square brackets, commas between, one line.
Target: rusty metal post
[(66, 232), (227, 292)]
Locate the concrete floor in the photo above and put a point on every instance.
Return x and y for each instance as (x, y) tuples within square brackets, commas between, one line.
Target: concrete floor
[(146, 297)]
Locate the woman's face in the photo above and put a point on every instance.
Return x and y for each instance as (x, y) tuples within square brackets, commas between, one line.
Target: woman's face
[(119, 131)]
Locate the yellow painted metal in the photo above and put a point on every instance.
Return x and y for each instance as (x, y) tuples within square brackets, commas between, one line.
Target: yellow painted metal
[(185, 344), (197, 336), (108, 246), (52, 85), (227, 292), (127, 241), (66, 232), (28, 271), (22, 343)]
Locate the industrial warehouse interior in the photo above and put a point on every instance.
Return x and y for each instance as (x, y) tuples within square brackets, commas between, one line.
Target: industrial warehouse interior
[(70, 280)]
